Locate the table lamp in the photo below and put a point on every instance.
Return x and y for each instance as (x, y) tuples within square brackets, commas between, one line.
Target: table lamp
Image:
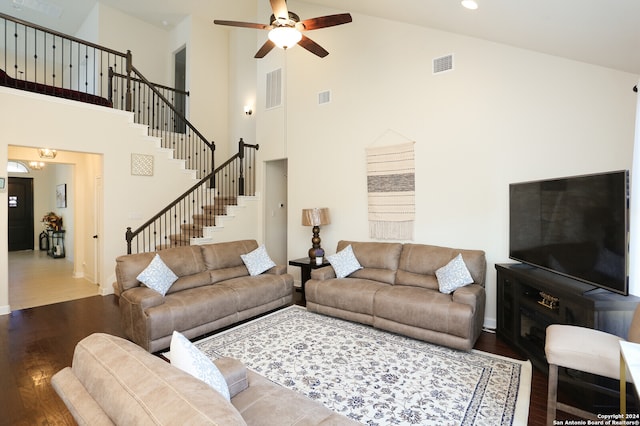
[(315, 217)]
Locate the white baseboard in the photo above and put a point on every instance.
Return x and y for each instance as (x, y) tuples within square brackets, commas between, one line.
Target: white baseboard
[(490, 323), (5, 310)]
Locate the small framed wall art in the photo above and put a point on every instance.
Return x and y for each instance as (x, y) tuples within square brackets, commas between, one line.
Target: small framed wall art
[(61, 195)]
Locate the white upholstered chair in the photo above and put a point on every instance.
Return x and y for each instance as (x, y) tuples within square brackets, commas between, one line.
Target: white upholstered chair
[(583, 349)]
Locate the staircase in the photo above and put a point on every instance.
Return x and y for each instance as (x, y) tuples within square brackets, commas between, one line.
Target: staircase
[(203, 220), (194, 216), (103, 76)]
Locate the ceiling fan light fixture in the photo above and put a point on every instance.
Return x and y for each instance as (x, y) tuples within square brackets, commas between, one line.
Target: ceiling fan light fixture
[(285, 37), (470, 4)]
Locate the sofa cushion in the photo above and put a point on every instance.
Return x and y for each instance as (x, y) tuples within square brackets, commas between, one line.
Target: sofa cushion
[(453, 275), (183, 261), (344, 262), (429, 310), (226, 255), (157, 276), (188, 309), (259, 290), (267, 403), (185, 356), (419, 262), (134, 387), (257, 261), (348, 294), (379, 260)]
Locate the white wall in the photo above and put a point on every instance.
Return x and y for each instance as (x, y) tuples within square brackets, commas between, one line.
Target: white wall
[(502, 115), (76, 127)]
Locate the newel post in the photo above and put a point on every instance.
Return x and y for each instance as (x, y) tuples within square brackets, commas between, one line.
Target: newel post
[(128, 236), (241, 176)]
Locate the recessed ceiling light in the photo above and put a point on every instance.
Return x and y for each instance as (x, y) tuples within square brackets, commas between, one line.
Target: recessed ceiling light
[(470, 4)]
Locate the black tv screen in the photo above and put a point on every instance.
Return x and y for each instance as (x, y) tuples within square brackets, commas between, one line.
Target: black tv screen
[(574, 226)]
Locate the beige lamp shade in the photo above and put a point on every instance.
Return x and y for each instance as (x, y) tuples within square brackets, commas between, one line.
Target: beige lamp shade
[(315, 217)]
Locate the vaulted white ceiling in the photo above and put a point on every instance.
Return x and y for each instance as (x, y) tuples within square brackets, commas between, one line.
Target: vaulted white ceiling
[(600, 32)]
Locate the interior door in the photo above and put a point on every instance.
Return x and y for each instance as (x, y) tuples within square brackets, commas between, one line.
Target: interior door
[(20, 214), (180, 84)]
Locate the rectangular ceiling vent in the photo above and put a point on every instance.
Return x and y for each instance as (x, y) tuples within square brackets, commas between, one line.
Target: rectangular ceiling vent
[(324, 97), (443, 64), (274, 89)]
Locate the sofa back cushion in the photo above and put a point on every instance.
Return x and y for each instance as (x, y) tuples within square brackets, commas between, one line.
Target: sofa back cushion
[(419, 262), (183, 261), (379, 260), (137, 388), (223, 259)]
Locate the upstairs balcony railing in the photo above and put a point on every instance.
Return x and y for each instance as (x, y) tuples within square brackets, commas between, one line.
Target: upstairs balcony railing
[(41, 60)]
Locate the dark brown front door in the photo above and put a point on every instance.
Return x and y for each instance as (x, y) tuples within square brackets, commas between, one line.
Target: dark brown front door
[(20, 214)]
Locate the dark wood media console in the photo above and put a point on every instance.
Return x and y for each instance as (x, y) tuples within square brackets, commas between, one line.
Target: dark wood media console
[(524, 313)]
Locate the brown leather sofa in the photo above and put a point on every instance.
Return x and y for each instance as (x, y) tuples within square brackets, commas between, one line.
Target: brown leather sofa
[(397, 290), (113, 381), (214, 290)]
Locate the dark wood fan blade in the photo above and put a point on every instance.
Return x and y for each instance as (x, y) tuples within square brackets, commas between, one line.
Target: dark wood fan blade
[(242, 24), (279, 8), (266, 48), (312, 46), (325, 21)]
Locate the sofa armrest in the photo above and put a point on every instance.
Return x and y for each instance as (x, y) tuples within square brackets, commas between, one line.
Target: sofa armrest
[(143, 296), (324, 273), (84, 409), (234, 373), (472, 295), (277, 270)]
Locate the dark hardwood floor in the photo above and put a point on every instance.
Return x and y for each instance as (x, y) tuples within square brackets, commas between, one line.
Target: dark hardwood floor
[(36, 343)]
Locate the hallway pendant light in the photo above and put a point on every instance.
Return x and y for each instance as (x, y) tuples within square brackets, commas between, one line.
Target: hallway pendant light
[(47, 153), (285, 37), (36, 165)]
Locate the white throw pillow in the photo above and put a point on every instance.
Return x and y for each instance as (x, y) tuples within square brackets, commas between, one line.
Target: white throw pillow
[(157, 276), (257, 261), (344, 262), (453, 275), (189, 359)]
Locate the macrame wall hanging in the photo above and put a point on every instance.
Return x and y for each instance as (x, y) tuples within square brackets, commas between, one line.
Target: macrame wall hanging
[(391, 191)]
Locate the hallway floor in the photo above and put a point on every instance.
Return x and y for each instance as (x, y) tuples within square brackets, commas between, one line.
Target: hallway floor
[(36, 279)]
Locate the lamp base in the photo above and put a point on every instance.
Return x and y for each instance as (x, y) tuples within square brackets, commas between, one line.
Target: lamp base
[(316, 252)]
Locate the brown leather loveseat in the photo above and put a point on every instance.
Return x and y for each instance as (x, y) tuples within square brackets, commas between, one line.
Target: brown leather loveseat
[(114, 382), (213, 290), (397, 290)]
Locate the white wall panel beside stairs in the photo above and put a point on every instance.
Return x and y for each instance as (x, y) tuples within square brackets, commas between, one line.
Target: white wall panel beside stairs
[(240, 223)]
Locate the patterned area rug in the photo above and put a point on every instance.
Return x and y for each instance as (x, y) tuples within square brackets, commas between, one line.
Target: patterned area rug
[(375, 377)]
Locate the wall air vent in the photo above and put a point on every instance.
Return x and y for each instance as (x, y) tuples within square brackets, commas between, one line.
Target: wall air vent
[(442, 64), (324, 97), (274, 89)]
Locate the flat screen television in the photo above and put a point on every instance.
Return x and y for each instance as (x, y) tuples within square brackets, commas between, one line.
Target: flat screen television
[(574, 226)]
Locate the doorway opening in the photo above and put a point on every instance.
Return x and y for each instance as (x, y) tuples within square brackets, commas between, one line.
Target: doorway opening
[(180, 84), (66, 267), (276, 206)]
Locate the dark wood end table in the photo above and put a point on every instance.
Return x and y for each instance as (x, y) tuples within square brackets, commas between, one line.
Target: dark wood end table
[(306, 265)]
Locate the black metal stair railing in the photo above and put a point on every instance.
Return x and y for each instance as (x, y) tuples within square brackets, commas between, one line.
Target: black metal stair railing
[(159, 107), (197, 208)]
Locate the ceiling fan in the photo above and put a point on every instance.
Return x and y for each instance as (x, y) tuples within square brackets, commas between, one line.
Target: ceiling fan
[(285, 29)]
